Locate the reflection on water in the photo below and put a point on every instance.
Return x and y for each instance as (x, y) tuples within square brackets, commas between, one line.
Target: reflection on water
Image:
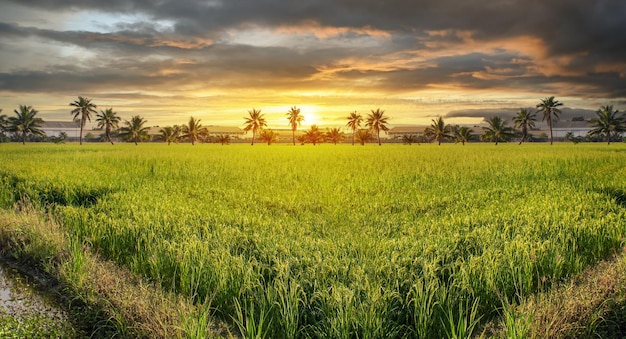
[(18, 297)]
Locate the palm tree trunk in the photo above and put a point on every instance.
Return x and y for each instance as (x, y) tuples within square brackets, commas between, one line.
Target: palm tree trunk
[(293, 136), (23, 138), (108, 132), (353, 131), (82, 124), (378, 136), (550, 125), (550, 135)]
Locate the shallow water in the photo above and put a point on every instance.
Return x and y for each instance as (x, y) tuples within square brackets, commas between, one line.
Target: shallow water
[(19, 297)]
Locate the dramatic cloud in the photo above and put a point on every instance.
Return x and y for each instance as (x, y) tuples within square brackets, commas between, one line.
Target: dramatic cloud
[(216, 59)]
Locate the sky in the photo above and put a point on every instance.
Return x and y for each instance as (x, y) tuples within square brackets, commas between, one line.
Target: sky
[(168, 60)]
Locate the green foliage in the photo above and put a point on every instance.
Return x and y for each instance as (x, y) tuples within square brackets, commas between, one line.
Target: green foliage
[(25, 123), (330, 241)]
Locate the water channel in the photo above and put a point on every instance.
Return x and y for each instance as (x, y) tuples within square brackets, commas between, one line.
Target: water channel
[(21, 301)]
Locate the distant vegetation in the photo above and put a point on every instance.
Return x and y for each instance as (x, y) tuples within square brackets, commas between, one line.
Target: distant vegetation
[(609, 125)]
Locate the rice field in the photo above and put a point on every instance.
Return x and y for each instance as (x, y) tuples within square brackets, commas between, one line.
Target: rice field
[(336, 241)]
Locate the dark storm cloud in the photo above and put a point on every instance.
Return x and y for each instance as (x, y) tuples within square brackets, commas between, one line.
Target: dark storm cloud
[(581, 48), (569, 26)]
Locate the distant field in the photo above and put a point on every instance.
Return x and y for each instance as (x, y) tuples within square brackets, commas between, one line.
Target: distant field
[(336, 241)]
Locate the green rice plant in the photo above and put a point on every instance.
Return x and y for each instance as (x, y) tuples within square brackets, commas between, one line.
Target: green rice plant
[(252, 322), (423, 302), (517, 324), (335, 241)]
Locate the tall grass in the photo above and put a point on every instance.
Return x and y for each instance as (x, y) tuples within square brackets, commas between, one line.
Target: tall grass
[(336, 242)]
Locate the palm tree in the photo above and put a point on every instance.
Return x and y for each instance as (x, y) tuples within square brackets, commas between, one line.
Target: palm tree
[(408, 139), (84, 108), (25, 123), (463, 134), (438, 130), (314, 135), (223, 139), (109, 120), (192, 130), (363, 136), (169, 134), (525, 120), (134, 130), (548, 107), (608, 123), (377, 122), (335, 135), (497, 130), (269, 136), (4, 124), (254, 122), (354, 122), (295, 118)]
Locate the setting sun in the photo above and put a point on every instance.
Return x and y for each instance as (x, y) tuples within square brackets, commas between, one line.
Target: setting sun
[(310, 115)]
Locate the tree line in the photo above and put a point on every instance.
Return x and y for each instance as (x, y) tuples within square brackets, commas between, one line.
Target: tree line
[(608, 125)]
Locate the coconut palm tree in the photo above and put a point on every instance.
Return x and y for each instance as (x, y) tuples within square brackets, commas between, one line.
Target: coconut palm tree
[(269, 136), (84, 109), (4, 124), (25, 123), (607, 124), (295, 119), (192, 130), (134, 130), (377, 121), (335, 135), (409, 139), (525, 120), (314, 135), (223, 139), (354, 123), (548, 107), (463, 134), (3, 121), (497, 130), (364, 135), (109, 120), (169, 134), (254, 122), (438, 130)]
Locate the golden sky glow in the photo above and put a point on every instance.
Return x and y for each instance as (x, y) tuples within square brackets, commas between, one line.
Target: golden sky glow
[(215, 60)]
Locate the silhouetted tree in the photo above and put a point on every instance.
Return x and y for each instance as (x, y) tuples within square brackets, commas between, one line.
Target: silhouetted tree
[(295, 119), (525, 120), (314, 135), (463, 134), (25, 123), (548, 107), (108, 120), (269, 136), (254, 122), (192, 130), (497, 130), (335, 135), (409, 139), (134, 130), (354, 122), (607, 123), (169, 134), (84, 109), (438, 130), (364, 136), (377, 122)]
